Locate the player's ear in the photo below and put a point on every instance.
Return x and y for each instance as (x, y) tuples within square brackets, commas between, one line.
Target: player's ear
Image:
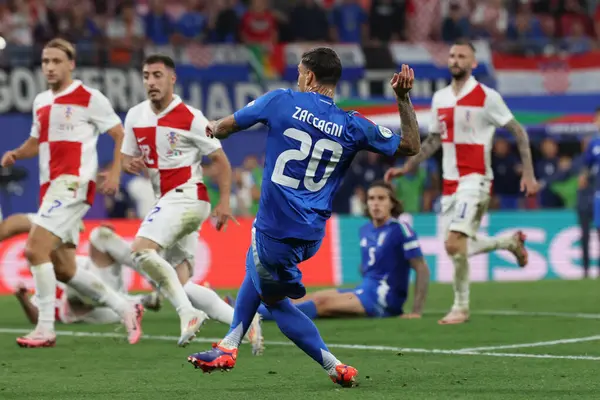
[(310, 79), (71, 65), (173, 78)]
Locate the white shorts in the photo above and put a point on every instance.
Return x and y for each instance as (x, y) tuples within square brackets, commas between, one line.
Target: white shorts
[(174, 223), (463, 211), (63, 208)]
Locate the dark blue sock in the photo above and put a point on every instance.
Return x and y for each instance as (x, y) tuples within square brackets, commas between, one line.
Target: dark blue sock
[(264, 313), (294, 324), (309, 308), (246, 305)]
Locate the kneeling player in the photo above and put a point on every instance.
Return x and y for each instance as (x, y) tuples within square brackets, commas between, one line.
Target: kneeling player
[(389, 249)]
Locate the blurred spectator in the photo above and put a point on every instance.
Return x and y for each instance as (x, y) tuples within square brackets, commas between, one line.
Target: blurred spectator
[(224, 29), (83, 32), (545, 167), (308, 22), (20, 28), (370, 168), (349, 22), (410, 188), (258, 24), (456, 24), (387, 20), (423, 19), (572, 14), (567, 188), (548, 28), (357, 202), (577, 41), (507, 175), (192, 24), (140, 191), (158, 25), (125, 33), (526, 32), (490, 19)]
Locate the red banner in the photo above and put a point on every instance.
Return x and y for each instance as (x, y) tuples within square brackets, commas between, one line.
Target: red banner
[(220, 258)]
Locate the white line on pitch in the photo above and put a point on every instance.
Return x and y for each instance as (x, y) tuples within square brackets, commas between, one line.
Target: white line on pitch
[(518, 313), (534, 344), (339, 346)]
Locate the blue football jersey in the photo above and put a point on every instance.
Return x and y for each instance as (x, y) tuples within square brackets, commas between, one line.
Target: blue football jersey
[(385, 259), (310, 145), (591, 158)]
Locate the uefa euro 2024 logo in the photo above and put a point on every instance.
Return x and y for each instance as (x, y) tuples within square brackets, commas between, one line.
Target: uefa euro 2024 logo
[(173, 138)]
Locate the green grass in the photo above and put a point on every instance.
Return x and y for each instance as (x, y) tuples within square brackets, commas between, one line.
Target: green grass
[(108, 368)]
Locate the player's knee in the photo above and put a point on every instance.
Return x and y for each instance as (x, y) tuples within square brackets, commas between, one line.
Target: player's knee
[(35, 254), (141, 244), (99, 236), (455, 243)]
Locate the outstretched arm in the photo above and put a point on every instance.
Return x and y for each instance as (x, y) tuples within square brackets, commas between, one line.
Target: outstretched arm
[(402, 83), (411, 139), (222, 128)]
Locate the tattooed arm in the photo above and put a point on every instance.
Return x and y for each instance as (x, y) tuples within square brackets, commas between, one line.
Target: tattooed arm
[(222, 128), (411, 140), (428, 148), (522, 139)]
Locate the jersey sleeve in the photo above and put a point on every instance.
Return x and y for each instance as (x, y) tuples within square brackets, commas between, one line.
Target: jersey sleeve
[(198, 134), (434, 122), (130, 146), (376, 138), (102, 114), (35, 128), (591, 152), (409, 242), (259, 110), (496, 109)]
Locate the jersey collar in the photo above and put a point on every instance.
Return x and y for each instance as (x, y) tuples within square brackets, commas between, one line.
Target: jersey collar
[(467, 88), (74, 85), (174, 103)]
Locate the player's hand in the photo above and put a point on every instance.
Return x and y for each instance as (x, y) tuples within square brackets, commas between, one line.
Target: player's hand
[(394, 173), (529, 185), (411, 316), (402, 82), (222, 213), (9, 158), (110, 182), (210, 129), (135, 166)]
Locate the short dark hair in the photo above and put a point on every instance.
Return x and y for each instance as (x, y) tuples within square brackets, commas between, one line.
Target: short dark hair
[(324, 63), (597, 110), (160, 59), (464, 42), (397, 206)]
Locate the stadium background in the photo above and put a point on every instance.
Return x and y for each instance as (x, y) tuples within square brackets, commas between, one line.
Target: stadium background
[(540, 55)]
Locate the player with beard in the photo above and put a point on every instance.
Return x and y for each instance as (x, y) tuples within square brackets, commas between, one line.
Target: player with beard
[(465, 115)]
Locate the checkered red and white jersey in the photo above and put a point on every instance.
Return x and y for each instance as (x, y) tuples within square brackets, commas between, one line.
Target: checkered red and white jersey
[(67, 126), (172, 143), (467, 124)]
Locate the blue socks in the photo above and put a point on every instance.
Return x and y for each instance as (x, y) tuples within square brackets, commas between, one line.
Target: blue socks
[(246, 305), (294, 324), (307, 307)]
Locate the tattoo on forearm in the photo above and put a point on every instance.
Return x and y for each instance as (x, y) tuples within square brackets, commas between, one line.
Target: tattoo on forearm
[(522, 140), (428, 148), (411, 140), (225, 127)]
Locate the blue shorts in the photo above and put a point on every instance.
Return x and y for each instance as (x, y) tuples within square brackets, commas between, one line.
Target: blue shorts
[(373, 305), (597, 210), (273, 264)]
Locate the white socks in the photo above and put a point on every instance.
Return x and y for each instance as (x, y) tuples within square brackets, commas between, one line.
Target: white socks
[(105, 240), (461, 281), (45, 291), (209, 301), (165, 277), (90, 285), (483, 244)]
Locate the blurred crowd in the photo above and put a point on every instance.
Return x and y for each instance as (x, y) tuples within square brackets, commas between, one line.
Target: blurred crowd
[(529, 25)]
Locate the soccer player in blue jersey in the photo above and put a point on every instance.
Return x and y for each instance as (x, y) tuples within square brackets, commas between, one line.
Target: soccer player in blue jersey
[(591, 162), (310, 145), (389, 250)]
